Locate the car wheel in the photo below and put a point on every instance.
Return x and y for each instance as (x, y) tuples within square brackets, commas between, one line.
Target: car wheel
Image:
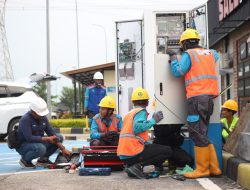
[(13, 123)]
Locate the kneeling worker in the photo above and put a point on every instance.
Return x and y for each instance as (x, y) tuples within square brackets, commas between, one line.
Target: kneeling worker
[(31, 134), (134, 148), (106, 125)]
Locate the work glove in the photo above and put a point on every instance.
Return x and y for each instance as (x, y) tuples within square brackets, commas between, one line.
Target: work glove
[(107, 138), (158, 116), (112, 133), (172, 54)]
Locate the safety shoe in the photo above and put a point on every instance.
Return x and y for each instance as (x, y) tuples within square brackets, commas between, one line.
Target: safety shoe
[(129, 173), (26, 164), (137, 171), (43, 162)]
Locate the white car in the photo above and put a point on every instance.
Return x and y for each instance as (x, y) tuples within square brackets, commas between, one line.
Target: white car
[(15, 99)]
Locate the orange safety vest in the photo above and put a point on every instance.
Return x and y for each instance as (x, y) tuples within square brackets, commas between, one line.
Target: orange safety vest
[(131, 144), (202, 76), (102, 126)]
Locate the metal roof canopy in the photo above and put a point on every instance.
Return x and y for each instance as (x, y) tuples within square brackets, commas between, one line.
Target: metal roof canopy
[(85, 75)]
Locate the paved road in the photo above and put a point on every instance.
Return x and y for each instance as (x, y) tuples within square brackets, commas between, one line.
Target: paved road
[(9, 158), (13, 177), (117, 181)]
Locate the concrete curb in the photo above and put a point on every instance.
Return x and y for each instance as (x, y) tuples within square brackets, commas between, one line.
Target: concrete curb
[(71, 130), (236, 169), (72, 133), (76, 149)]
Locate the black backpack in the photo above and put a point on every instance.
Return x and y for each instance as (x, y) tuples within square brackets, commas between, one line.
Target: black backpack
[(12, 139)]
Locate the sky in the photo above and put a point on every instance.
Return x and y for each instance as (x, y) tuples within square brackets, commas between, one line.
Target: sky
[(25, 23)]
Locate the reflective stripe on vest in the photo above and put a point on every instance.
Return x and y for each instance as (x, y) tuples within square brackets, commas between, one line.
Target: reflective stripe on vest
[(134, 136), (131, 144), (199, 78), (230, 128), (202, 77)]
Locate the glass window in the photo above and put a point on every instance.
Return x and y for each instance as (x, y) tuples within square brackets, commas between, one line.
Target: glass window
[(248, 45), (240, 71), (247, 87), (243, 50), (241, 88), (3, 92), (247, 69), (16, 91)]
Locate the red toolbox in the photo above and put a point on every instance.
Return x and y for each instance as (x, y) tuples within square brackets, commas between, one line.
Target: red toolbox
[(102, 156)]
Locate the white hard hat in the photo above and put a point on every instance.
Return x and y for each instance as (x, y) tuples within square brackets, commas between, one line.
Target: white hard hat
[(98, 75), (39, 106)]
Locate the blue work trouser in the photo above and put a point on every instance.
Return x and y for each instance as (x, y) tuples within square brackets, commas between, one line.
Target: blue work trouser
[(33, 150)]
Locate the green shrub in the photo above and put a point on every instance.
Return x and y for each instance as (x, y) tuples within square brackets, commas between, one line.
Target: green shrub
[(68, 123)]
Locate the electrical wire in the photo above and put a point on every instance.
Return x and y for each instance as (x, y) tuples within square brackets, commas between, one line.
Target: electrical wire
[(203, 137)]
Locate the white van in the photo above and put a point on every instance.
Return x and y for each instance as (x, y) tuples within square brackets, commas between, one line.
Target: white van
[(15, 99)]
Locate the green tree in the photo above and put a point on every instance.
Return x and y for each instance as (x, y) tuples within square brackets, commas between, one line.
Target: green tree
[(67, 97), (41, 89)]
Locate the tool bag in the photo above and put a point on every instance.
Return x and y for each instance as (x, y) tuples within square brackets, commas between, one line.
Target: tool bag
[(12, 140)]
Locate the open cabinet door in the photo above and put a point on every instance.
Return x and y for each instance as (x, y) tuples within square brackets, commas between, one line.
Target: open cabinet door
[(198, 21), (129, 62)]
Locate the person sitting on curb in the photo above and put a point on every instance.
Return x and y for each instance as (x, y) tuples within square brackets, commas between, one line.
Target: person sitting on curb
[(106, 125), (134, 148), (229, 121), (34, 144)]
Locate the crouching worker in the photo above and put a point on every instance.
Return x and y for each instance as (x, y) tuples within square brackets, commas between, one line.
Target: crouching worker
[(228, 120), (31, 134), (134, 148), (106, 125)]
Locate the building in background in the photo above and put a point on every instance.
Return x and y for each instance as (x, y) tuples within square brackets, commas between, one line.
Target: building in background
[(229, 33)]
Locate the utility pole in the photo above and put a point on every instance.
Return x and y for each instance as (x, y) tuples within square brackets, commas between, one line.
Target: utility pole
[(6, 72), (48, 59), (77, 36), (78, 56)]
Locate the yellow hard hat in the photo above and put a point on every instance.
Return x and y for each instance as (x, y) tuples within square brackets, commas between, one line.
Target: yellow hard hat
[(189, 34), (231, 105), (139, 94), (107, 102)]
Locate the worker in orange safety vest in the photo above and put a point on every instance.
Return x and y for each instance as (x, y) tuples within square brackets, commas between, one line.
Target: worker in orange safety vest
[(198, 66), (106, 125), (134, 148)]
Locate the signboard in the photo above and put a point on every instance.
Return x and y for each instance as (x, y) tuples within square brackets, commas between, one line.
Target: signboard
[(226, 7)]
